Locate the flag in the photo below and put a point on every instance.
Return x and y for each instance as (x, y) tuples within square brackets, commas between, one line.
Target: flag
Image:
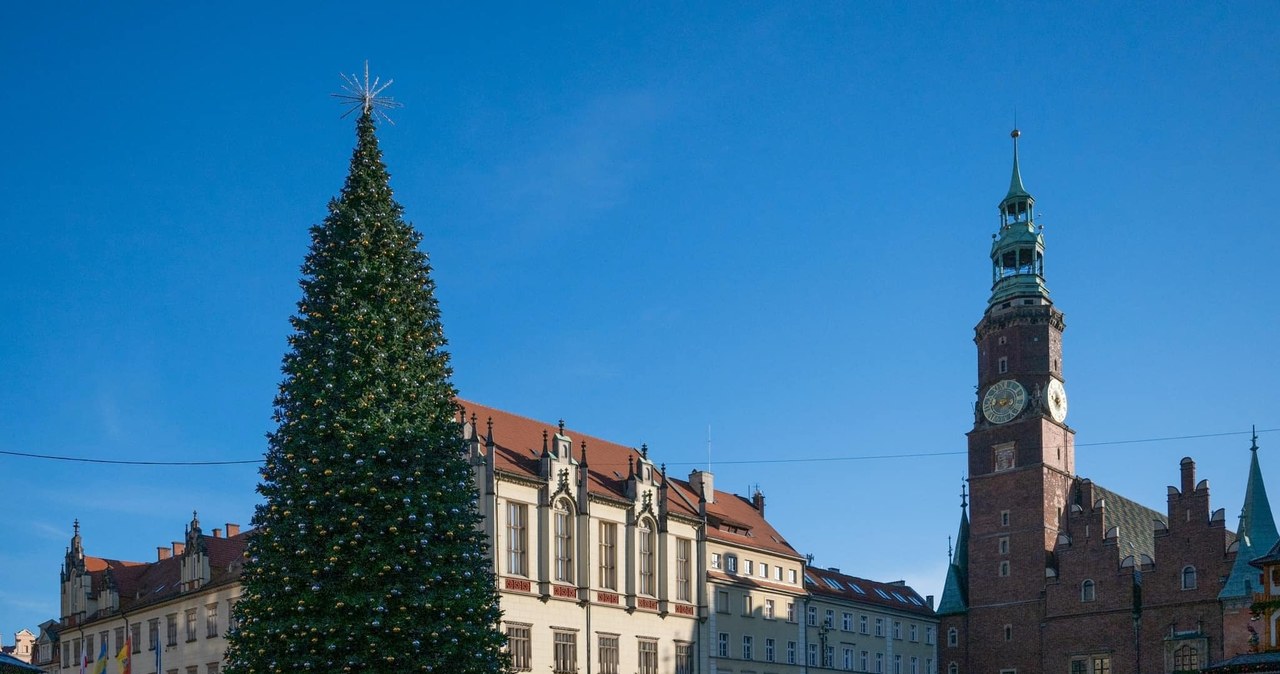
[(123, 656), (84, 661), (158, 647), (100, 667)]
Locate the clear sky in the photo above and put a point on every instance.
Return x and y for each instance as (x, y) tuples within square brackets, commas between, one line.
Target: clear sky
[(649, 219)]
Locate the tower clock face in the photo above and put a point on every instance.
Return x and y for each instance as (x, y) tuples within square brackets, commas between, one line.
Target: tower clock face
[(1003, 401), (1056, 400)]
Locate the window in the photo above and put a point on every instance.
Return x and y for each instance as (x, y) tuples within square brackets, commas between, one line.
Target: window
[(1186, 658), (646, 534), (648, 661), (928, 636), (768, 609), (879, 663), (191, 624), (212, 668), (1087, 591), (517, 539), (684, 657), (193, 669), (813, 655), (791, 612), (1004, 545), (135, 634), (564, 542), (104, 638), (746, 605), (715, 560), (746, 647), (684, 570), (722, 645), (915, 632), (879, 627), (830, 620), (791, 652), (1004, 569), (915, 665), (1004, 518), (119, 640), (768, 650), (1188, 577), (609, 555), (862, 627), (764, 570), (722, 601), (520, 648), (897, 630), (812, 619), (1101, 664), (608, 654), (231, 614), (777, 573), (953, 638), (928, 666), (66, 651), (862, 661), (746, 566), (731, 563), (565, 653), (211, 620), (846, 622), (953, 668), (897, 664), (829, 656), (88, 647), (847, 661), (171, 629), (1008, 632), (1004, 364), (791, 576)]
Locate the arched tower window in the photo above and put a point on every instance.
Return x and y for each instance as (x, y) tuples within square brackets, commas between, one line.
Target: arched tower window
[(564, 540), (953, 639), (953, 668), (1188, 577), (1088, 591)]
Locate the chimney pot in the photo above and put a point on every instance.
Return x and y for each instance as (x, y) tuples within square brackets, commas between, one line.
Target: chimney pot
[(217, 533), (178, 548), (162, 553), (232, 529)]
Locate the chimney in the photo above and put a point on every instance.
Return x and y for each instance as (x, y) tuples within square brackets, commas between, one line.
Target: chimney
[(703, 482), (217, 533), (757, 501), (162, 553), (929, 600), (178, 548), (1188, 476), (233, 530)]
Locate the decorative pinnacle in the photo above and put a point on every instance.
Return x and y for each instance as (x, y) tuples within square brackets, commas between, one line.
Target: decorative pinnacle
[(366, 96), (562, 427), (964, 496), (76, 526), (1254, 448)]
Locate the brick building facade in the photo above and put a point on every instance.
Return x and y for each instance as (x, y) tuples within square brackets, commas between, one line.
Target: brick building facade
[(1052, 572)]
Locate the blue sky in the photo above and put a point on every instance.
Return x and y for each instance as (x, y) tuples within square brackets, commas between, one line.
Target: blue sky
[(649, 219)]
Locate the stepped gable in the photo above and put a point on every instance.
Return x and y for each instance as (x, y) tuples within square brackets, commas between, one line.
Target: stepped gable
[(518, 443), (894, 596)]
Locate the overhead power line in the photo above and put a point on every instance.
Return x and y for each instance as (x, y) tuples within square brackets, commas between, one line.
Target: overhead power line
[(818, 459)]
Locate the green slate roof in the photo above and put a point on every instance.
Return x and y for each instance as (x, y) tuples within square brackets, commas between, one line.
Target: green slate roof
[(1136, 522), (955, 594), (1257, 534)]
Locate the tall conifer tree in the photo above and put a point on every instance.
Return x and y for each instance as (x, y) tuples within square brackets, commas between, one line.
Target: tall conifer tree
[(367, 555)]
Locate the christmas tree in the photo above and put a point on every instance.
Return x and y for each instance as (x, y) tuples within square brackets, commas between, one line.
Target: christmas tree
[(367, 555)]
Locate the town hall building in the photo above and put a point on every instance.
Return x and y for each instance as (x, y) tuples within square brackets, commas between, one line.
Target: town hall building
[(1052, 572)]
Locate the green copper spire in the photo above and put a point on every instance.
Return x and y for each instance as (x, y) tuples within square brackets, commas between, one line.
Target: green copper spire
[(1017, 253), (1257, 533), (955, 594)]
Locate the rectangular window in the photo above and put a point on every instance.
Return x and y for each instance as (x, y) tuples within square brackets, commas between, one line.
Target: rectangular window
[(153, 634), (791, 612), (77, 646), (915, 632), (517, 539), (609, 555), (211, 621), (88, 647), (879, 627), (520, 648), (66, 651), (684, 570), (564, 544), (731, 563), (829, 656), (212, 668), (862, 661), (746, 605), (231, 614), (1004, 518), (565, 653), (897, 664), (1102, 664), (746, 567), (104, 638), (119, 640), (135, 634), (777, 573), (791, 576), (929, 635), (1004, 545), (768, 650), (608, 654), (862, 626), (847, 661), (846, 622), (897, 629), (746, 647), (813, 655), (915, 665), (190, 617), (1004, 364), (722, 645), (648, 660), (768, 609), (715, 560), (193, 669), (830, 620), (791, 652), (645, 533), (764, 570), (722, 601), (684, 658), (1004, 569), (812, 616), (879, 663)]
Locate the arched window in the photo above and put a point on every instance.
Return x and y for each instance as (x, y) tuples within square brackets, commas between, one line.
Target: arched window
[(563, 530), (1188, 577), (953, 668), (953, 639), (647, 540), (1087, 591)]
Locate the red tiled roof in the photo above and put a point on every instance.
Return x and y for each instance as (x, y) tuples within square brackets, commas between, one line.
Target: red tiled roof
[(518, 444), (141, 583), (870, 594)]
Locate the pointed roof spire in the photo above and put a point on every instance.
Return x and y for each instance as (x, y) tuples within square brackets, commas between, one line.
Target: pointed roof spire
[(1016, 189), (955, 594), (1257, 532)]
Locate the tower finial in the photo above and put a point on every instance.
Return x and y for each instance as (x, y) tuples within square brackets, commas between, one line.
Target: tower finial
[(964, 495), (366, 96), (76, 526), (1254, 448), (562, 427)]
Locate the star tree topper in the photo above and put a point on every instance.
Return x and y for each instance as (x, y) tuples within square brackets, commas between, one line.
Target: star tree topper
[(366, 96)]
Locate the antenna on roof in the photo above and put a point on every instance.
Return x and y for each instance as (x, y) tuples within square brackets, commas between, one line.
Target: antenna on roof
[(708, 448)]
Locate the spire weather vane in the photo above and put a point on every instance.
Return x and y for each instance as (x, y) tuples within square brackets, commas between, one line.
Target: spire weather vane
[(366, 96)]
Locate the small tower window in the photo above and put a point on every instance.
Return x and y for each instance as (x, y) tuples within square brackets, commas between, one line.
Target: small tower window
[(1004, 518), (1188, 577), (1088, 591), (1008, 632), (1004, 364), (1004, 569), (953, 638)]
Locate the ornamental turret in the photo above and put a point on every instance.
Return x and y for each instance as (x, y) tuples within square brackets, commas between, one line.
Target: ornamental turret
[(1017, 252)]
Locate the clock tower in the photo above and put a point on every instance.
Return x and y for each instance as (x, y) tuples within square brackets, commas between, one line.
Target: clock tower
[(1021, 452)]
